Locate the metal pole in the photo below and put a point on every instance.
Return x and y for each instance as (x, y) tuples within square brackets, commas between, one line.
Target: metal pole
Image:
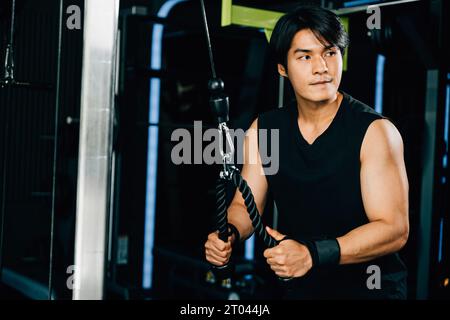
[(427, 191), (95, 146)]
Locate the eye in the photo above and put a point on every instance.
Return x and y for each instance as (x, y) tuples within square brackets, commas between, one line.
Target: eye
[(304, 57), (331, 53)]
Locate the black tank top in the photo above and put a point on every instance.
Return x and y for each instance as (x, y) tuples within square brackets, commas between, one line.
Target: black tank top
[(318, 195)]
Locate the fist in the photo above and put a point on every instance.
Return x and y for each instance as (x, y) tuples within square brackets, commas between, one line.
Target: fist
[(217, 252), (288, 259)]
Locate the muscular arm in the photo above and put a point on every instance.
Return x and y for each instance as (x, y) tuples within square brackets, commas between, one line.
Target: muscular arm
[(252, 172), (384, 188)]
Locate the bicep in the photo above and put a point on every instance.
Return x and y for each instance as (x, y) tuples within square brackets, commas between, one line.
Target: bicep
[(384, 183)]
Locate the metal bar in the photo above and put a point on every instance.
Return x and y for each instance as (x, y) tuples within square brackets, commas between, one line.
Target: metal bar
[(115, 217), (22, 84), (111, 221), (152, 145), (2, 226), (95, 146), (280, 92), (364, 7), (175, 125), (55, 149), (280, 105), (427, 191), (25, 285)]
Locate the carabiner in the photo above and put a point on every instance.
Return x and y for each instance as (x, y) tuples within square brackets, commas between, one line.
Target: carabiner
[(227, 157)]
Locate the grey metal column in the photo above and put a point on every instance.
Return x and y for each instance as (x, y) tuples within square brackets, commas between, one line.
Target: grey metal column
[(280, 105), (94, 159), (426, 201)]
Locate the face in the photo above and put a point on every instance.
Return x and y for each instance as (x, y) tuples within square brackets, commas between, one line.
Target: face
[(313, 69)]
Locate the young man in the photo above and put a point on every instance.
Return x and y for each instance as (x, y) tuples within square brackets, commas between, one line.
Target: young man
[(341, 188)]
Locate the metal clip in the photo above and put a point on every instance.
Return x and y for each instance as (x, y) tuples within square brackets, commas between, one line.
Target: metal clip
[(227, 157)]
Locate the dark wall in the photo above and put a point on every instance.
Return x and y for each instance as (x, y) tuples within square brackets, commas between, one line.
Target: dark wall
[(33, 127)]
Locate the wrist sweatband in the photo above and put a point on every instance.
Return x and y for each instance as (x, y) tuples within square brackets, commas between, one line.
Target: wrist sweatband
[(328, 252), (323, 252), (235, 231)]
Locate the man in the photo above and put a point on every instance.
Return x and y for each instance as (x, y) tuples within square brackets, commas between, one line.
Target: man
[(341, 188)]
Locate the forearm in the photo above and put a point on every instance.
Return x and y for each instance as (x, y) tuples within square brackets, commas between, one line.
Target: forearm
[(238, 216), (370, 241)]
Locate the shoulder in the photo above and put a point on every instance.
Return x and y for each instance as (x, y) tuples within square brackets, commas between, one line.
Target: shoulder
[(382, 140)]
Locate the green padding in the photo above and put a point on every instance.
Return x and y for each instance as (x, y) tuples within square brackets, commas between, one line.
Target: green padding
[(255, 17), (249, 17), (344, 21), (226, 12)]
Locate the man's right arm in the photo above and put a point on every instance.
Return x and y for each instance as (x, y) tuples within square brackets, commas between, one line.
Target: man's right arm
[(253, 173)]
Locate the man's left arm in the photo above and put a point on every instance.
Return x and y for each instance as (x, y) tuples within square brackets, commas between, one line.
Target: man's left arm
[(384, 188)]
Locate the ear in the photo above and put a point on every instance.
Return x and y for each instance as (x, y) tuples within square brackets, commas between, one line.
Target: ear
[(282, 71)]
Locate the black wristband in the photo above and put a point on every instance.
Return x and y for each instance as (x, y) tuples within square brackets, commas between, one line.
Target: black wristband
[(323, 252), (328, 252), (235, 231)]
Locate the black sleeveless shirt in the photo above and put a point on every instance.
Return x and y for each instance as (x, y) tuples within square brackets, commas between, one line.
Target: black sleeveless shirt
[(318, 195)]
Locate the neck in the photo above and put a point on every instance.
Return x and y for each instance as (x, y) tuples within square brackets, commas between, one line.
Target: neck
[(317, 112)]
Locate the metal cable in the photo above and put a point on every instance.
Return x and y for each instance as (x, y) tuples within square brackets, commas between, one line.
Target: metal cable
[(11, 29), (55, 151), (208, 40)]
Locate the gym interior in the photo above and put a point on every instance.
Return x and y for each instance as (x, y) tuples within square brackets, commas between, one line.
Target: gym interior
[(92, 204)]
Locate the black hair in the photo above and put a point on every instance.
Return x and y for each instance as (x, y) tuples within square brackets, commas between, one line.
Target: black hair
[(325, 25)]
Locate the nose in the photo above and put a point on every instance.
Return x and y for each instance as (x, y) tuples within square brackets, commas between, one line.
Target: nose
[(319, 65)]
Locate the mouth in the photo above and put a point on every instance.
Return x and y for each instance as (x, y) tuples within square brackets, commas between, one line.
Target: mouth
[(321, 82)]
